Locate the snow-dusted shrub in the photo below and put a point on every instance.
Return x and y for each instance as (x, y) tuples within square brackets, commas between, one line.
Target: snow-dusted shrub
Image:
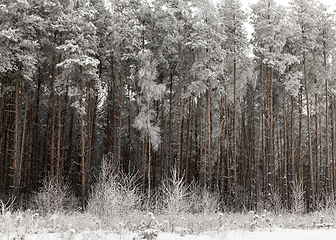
[(297, 199), (275, 201), (113, 195), (174, 194), (53, 197), (327, 202), (202, 200), (6, 207), (149, 227)]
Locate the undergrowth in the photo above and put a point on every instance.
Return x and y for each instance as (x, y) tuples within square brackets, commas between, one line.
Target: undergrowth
[(119, 206)]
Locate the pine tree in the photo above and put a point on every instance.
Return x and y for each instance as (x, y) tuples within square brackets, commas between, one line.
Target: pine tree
[(19, 53), (233, 19), (79, 60), (304, 23)]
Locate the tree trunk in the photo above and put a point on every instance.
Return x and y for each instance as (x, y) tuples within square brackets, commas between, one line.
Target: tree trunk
[(207, 155), (271, 131), (10, 133), (218, 175), (228, 149), (58, 152), (89, 132), (164, 148), (333, 148), (93, 128), (300, 167), (170, 119), (261, 132), (52, 99), (312, 188), (82, 138), (144, 159), (36, 140), (65, 111), (70, 160), (327, 113), (333, 103), (201, 158), (149, 173), (121, 88), (179, 116), (23, 138), (285, 174), (181, 154), (292, 154), (188, 142), (316, 143), (234, 158), (30, 148), (17, 133), (3, 135), (129, 136)]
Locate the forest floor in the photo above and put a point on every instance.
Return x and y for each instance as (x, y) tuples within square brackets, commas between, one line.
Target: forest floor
[(28, 225), (274, 234)]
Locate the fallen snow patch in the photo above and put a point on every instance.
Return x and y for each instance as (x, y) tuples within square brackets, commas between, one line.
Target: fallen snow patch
[(273, 234)]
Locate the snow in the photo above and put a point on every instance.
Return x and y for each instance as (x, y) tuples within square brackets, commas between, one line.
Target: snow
[(270, 234)]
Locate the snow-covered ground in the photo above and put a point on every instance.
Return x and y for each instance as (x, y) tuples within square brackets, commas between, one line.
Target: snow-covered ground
[(274, 234)]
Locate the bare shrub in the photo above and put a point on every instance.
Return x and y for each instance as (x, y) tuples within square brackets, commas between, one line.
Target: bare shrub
[(330, 202), (275, 201), (326, 202), (112, 196), (297, 199), (53, 197), (6, 206), (202, 200), (174, 194)]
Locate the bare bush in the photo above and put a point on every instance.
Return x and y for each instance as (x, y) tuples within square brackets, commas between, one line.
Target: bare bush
[(174, 194), (53, 197), (111, 196), (6, 206), (275, 201), (326, 202), (202, 200), (297, 198)]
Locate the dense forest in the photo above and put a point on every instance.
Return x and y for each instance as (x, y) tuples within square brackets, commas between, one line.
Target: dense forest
[(151, 86)]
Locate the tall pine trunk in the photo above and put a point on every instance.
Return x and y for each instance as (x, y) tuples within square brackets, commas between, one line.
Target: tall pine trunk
[(188, 142), (285, 174), (169, 155), (82, 138), (121, 94), (292, 145), (201, 158), (58, 151), (261, 132), (234, 158), (37, 144), (3, 134), (52, 99), (17, 133), (228, 150), (271, 131), (311, 177), (300, 165), (30, 148), (179, 116), (333, 147)]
